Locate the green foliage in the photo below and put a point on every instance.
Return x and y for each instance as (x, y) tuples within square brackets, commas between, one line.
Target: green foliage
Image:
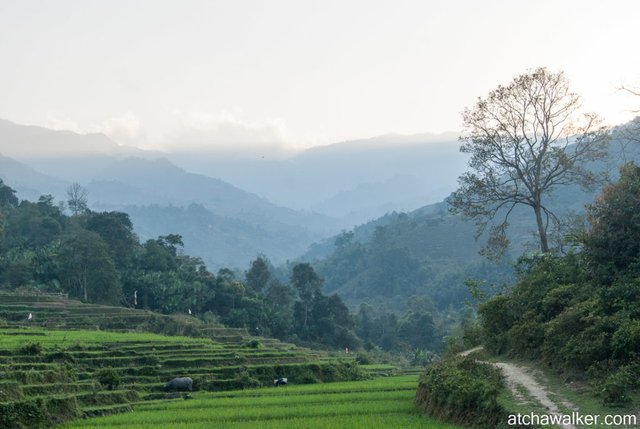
[(463, 391), (579, 311), (7, 196), (246, 381), (32, 349), (497, 316), (108, 377), (253, 344), (424, 253), (10, 391), (88, 270), (614, 390), (259, 275), (24, 414), (38, 413), (116, 230), (625, 342), (613, 242)]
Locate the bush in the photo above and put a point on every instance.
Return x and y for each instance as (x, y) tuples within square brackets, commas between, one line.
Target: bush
[(31, 349), (246, 381), (526, 337), (10, 391), (363, 358), (253, 344), (60, 410), (497, 316), (38, 413), (108, 377), (614, 389), (60, 356), (463, 391), (149, 360), (24, 414), (626, 340)]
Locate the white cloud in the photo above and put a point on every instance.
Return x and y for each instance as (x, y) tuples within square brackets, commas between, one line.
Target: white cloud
[(224, 131), (61, 123), (125, 129), (227, 131)]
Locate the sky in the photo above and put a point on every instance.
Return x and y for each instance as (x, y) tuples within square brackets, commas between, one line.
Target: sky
[(178, 75)]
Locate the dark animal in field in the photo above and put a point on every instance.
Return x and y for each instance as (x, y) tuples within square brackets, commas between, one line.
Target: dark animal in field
[(179, 383), (280, 381)]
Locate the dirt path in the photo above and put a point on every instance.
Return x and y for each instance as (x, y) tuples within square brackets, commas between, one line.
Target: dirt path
[(468, 352), (516, 375)]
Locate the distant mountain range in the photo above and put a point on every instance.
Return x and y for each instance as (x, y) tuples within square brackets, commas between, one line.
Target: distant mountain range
[(219, 222), (356, 181), (338, 186)]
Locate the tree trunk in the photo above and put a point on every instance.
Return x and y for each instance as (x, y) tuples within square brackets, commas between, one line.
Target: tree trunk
[(542, 230)]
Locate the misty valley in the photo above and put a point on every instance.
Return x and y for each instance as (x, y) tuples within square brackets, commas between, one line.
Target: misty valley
[(489, 280)]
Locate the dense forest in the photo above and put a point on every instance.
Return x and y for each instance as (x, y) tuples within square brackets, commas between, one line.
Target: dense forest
[(416, 254), (97, 258)]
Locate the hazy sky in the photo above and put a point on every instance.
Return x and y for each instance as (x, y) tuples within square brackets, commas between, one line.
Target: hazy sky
[(193, 73)]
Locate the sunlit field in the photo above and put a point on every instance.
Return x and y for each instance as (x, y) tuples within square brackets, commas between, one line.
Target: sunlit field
[(379, 403)]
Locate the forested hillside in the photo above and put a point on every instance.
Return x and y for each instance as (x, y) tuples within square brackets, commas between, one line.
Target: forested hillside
[(431, 252), (579, 312), (96, 257), (416, 254)]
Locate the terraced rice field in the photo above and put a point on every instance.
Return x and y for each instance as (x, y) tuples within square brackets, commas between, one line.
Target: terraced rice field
[(55, 372), (50, 363), (56, 312), (379, 403), (67, 363)]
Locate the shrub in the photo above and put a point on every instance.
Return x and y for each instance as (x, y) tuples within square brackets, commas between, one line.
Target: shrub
[(149, 360), (253, 344), (526, 337), (23, 414), (108, 377), (363, 358), (246, 381), (10, 391), (614, 389), (463, 391), (60, 356), (60, 410), (626, 340), (38, 413), (31, 349), (497, 316)]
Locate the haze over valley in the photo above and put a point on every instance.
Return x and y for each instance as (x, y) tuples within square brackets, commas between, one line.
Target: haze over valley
[(342, 214), (203, 195)]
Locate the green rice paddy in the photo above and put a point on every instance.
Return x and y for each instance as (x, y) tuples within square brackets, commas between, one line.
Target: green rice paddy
[(379, 403)]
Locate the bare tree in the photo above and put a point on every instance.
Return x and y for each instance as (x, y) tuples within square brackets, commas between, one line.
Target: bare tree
[(525, 139), (77, 198), (630, 132), (633, 91)]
